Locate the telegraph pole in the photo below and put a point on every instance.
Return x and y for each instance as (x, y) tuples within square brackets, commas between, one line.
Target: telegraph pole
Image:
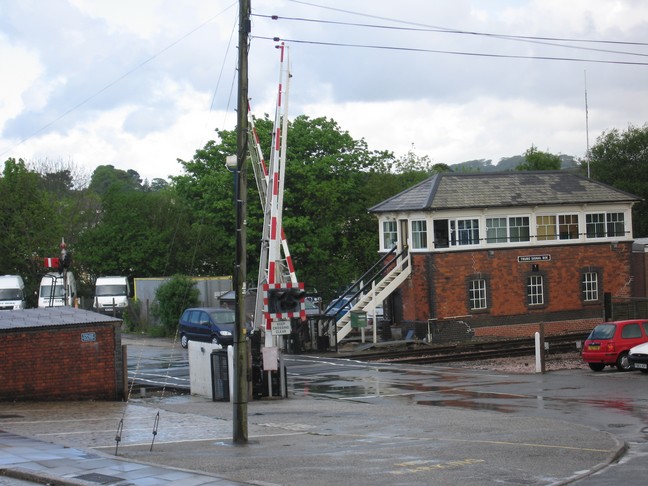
[(240, 426)]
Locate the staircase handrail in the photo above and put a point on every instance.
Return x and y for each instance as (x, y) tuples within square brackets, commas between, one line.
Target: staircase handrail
[(370, 281)]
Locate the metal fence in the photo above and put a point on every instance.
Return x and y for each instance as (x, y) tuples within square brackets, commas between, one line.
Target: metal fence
[(210, 290)]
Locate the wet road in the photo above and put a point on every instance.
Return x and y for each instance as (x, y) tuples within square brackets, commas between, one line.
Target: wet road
[(609, 401)]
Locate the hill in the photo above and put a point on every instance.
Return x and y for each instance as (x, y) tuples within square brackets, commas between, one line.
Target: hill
[(505, 164)]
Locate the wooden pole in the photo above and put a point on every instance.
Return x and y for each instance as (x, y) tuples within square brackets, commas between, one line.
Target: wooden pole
[(240, 400)]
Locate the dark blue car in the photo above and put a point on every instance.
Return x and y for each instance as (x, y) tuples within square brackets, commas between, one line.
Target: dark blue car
[(339, 307), (207, 324)]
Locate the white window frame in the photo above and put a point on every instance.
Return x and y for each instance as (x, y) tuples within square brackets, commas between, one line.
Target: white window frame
[(590, 286), (535, 290), (612, 222), (546, 227), (464, 231), (571, 225), (598, 226), (419, 234), (477, 294), (499, 233), (518, 238), (390, 236), (608, 224)]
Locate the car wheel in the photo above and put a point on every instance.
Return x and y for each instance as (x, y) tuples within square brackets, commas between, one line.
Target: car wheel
[(215, 340), (184, 341), (596, 366), (622, 363)]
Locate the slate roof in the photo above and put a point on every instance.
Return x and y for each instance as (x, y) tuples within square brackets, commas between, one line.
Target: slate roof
[(50, 316), (501, 189)]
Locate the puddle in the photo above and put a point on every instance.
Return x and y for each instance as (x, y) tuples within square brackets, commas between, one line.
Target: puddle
[(471, 405)]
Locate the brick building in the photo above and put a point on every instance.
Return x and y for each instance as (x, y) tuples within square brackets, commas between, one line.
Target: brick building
[(502, 252), (60, 353)]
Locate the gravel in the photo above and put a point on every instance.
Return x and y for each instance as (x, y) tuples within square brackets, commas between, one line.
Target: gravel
[(526, 364)]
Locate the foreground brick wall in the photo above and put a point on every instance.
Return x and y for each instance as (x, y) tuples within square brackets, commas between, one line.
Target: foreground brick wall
[(529, 330), (55, 363)]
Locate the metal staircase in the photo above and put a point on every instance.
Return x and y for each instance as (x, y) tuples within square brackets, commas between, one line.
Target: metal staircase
[(382, 279)]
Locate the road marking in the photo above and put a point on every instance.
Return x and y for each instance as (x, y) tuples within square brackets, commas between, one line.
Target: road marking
[(430, 465), (525, 444)]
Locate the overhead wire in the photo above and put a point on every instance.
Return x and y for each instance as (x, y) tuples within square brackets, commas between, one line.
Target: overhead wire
[(441, 51), (529, 39), (116, 80), (220, 74), (421, 27), (459, 31)]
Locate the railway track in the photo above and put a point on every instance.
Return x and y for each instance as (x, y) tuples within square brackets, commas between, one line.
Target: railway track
[(471, 351)]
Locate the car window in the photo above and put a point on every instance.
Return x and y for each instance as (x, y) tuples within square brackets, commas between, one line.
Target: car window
[(204, 318), (195, 317), (631, 331), (645, 327), (603, 331), (223, 317)]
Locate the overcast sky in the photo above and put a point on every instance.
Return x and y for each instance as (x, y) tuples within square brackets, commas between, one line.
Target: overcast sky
[(139, 84)]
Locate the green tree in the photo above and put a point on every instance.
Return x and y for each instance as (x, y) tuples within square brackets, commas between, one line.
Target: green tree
[(207, 188), (138, 234), (29, 226), (171, 298), (331, 181), (535, 159), (620, 159), (105, 176), (158, 184)]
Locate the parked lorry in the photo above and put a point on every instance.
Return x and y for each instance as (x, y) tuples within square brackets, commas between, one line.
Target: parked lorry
[(57, 290), (12, 292), (111, 295)]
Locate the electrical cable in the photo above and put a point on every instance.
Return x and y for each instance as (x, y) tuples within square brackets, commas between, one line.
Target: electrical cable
[(458, 53), (115, 81), (458, 31), (528, 39)]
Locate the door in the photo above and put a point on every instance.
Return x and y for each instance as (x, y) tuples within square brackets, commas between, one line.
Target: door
[(403, 234), (204, 327)]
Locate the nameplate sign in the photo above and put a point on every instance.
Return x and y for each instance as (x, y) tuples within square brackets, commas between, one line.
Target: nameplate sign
[(534, 258), (88, 337)]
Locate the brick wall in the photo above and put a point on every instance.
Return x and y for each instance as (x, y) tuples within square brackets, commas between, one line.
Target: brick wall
[(438, 286), (54, 363), (529, 330)]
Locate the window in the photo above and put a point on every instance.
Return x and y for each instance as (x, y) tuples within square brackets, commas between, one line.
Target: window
[(600, 225), (518, 229), (631, 331), (615, 224), (545, 228), (568, 226), (419, 234), (477, 294), (390, 235), (441, 239), (496, 230), (535, 291), (590, 286), (595, 225), (194, 317), (464, 232)]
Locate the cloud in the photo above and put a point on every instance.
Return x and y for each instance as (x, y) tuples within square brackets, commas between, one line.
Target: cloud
[(140, 84)]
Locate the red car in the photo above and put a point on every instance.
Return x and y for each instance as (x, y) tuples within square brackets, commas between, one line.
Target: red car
[(608, 343)]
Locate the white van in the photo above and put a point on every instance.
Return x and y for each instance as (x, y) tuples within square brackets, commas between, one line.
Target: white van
[(12, 292), (57, 290), (111, 295)]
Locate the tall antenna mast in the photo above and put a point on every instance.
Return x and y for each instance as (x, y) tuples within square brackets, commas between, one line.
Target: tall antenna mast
[(587, 153)]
